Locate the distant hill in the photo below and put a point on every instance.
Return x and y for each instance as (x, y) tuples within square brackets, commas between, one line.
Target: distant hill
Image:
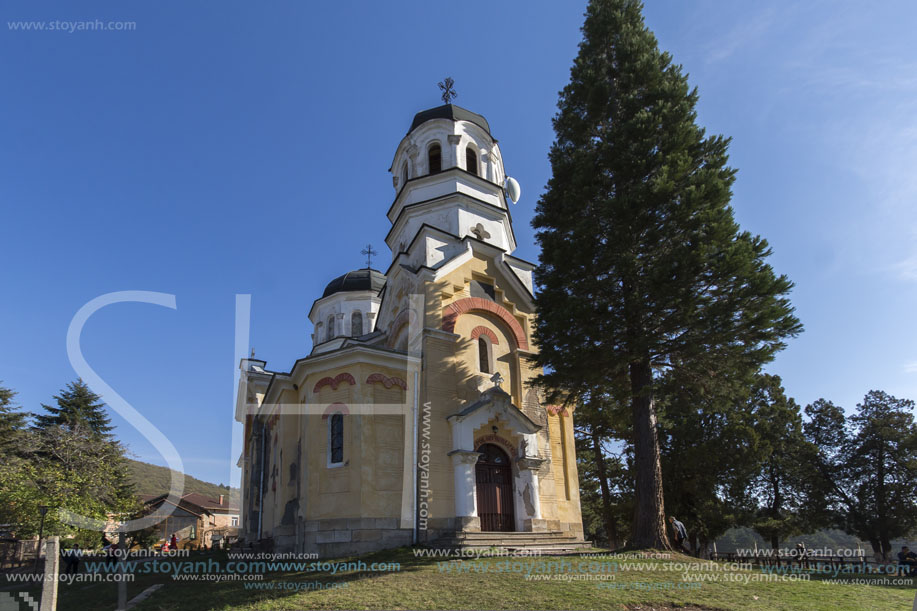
[(153, 479)]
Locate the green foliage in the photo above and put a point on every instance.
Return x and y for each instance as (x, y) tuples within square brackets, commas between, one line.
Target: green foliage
[(68, 462), (710, 454), (76, 405), (606, 521), (785, 469), (641, 256), (868, 467), (643, 268), (155, 480), (880, 469), (12, 424)]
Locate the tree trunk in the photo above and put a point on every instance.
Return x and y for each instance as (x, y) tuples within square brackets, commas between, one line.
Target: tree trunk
[(649, 511), (877, 549), (607, 518)]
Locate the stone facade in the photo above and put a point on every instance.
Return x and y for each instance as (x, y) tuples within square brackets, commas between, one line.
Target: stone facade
[(372, 441)]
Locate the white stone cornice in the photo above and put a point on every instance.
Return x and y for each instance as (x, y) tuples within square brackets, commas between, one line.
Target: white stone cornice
[(467, 457)]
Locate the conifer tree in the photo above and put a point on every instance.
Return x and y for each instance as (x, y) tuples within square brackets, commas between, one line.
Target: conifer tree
[(77, 405), (643, 268), (12, 424)]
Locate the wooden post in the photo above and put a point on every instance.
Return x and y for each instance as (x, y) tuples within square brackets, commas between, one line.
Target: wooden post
[(122, 585), (52, 568)]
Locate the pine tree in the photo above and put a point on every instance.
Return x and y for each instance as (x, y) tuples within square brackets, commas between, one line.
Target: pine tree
[(12, 424), (77, 405), (643, 267), (880, 470), (781, 483)]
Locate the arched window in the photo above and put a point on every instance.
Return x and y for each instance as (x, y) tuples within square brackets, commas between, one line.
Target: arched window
[(330, 331), (483, 354), (471, 161), (336, 439), (435, 158), (404, 173), (356, 324)]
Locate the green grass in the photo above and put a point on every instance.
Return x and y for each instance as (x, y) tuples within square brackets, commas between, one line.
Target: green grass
[(425, 583)]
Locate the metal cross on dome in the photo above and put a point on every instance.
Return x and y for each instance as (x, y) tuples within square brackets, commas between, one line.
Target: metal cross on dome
[(446, 86), (370, 253)]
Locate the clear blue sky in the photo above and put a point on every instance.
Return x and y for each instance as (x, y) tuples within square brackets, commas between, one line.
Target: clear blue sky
[(224, 148)]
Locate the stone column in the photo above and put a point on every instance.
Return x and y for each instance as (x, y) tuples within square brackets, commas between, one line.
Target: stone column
[(339, 324), (454, 140), (52, 569), (527, 487), (466, 511)]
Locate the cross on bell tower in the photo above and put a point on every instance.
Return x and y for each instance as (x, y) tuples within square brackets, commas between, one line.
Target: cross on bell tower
[(370, 253), (449, 93)]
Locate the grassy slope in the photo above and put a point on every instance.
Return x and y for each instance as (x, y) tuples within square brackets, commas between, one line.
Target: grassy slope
[(153, 479), (423, 584)]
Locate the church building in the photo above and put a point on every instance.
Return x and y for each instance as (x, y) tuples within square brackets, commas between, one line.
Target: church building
[(412, 420)]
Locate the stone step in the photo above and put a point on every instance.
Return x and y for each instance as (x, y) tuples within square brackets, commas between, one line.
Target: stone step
[(549, 542)]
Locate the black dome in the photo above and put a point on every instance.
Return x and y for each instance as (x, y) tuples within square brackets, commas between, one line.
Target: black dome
[(365, 279), (449, 111)]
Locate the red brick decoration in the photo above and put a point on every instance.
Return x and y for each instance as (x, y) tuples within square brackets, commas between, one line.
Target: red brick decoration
[(335, 408), (334, 382), (557, 410), (482, 330), (388, 382), (469, 304)]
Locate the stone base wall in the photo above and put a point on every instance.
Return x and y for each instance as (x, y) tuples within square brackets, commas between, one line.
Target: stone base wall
[(571, 529), (346, 536), (439, 527)]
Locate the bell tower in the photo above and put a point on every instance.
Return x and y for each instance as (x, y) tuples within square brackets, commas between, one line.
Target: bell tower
[(448, 175)]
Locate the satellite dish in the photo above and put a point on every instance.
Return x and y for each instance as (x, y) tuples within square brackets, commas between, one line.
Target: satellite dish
[(512, 188)]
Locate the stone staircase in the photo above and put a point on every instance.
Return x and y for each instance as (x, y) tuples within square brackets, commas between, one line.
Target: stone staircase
[(545, 543)]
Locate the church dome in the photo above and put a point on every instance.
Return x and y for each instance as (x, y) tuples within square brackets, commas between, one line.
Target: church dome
[(365, 279), (451, 112)]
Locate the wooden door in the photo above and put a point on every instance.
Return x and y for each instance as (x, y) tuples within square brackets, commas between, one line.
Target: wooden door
[(494, 489)]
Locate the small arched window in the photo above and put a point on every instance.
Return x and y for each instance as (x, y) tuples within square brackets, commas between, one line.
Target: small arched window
[(435, 158), (404, 173), (483, 355), (356, 324), (330, 332), (336, 439), (471, 161)]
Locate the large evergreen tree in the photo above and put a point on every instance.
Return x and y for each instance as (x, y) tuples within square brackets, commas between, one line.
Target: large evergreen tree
[(880, 470), (76, 406), (643, 267), (12, 424), (782, 481)]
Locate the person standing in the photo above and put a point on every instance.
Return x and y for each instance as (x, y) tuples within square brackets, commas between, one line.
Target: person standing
[(72, 559), (681, 533)]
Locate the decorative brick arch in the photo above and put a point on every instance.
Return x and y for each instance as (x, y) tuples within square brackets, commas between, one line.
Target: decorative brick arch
[(381, 378), (335, 408), (482, 330), (470, 304), (334, 382)]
